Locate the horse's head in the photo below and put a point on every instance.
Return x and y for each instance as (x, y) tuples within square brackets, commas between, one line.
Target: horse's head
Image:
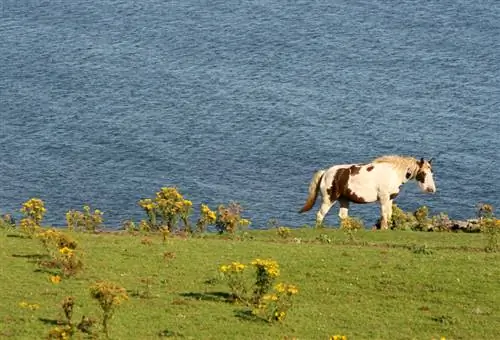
[(424, 176)]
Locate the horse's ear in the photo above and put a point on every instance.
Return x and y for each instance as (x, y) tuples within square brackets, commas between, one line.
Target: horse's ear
[(430, 160), (421, 162)]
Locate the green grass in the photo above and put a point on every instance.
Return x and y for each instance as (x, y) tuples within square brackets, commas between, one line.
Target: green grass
[(387, 285)]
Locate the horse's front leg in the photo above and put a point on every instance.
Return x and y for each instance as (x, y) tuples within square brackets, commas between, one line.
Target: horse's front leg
[(385, 213)]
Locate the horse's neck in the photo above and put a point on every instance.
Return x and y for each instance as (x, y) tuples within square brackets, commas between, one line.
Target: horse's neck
[(410, 171), (406, 169)]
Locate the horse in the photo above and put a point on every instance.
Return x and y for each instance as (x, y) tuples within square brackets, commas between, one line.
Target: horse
[(380, 180)]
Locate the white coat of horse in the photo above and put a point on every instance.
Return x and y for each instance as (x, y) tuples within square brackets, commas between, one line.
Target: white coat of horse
[(379, 180)]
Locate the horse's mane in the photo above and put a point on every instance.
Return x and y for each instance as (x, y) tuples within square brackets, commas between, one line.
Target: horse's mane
[(403, 163)]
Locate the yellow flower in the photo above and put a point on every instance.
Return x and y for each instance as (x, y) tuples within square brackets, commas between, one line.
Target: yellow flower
[(223, 269), (55, 279), (280, 316), (211, 216), (292, 289), (338, 337), (280, 287), (23, 304), (34, 306), (66, 251)]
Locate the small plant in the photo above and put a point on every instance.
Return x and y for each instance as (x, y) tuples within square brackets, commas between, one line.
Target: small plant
[(324, 238), (207, 217), (338, 337), (441, 222), (283, 232), (147, 241), (60, 333), (69, 261), (84, 221), (421, 249), (67, 306), (274, 306), (130, 226), (7, 222), (109, 296), (350, 225), (229, 218), (422, 217), (69, 329), (490, 226), (147, 283)]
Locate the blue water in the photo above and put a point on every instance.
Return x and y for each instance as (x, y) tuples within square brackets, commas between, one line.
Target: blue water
[(104, 102)]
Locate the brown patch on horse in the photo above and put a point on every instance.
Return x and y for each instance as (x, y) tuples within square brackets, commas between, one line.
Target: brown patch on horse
[(355, 169), (340, 188), (420, 177), (370, 168), (393, 195)]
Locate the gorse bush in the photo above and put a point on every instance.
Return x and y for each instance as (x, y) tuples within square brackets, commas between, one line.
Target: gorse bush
[(234, 275), (33, 211), (350, 225), (207, 217), (274, 306), (229, 218), (167, 209), (85, 220), (61, 249), (109, 296), (401, 220), (268, 300)]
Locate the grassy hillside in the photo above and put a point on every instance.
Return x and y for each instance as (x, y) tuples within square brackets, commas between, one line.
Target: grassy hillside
[(384, 285)]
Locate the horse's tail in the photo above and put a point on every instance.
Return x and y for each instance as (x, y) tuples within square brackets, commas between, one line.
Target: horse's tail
[(313, 191)]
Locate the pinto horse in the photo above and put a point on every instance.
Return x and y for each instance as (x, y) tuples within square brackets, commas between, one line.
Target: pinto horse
[(379, 180)]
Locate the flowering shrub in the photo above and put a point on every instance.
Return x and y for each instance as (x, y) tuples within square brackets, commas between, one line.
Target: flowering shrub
[(167, 208), (84, 221), (33, 211)]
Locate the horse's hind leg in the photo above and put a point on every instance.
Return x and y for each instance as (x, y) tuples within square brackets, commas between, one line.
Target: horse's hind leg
[(323, 210), (344, 208)]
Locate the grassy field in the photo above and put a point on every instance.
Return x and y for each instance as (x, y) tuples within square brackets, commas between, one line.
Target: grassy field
[(385, 285)]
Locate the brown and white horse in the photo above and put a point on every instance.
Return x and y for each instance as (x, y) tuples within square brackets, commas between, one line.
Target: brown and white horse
[(379, 180)]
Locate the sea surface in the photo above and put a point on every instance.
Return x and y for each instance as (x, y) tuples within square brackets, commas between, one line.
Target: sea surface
[(104, 102)]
